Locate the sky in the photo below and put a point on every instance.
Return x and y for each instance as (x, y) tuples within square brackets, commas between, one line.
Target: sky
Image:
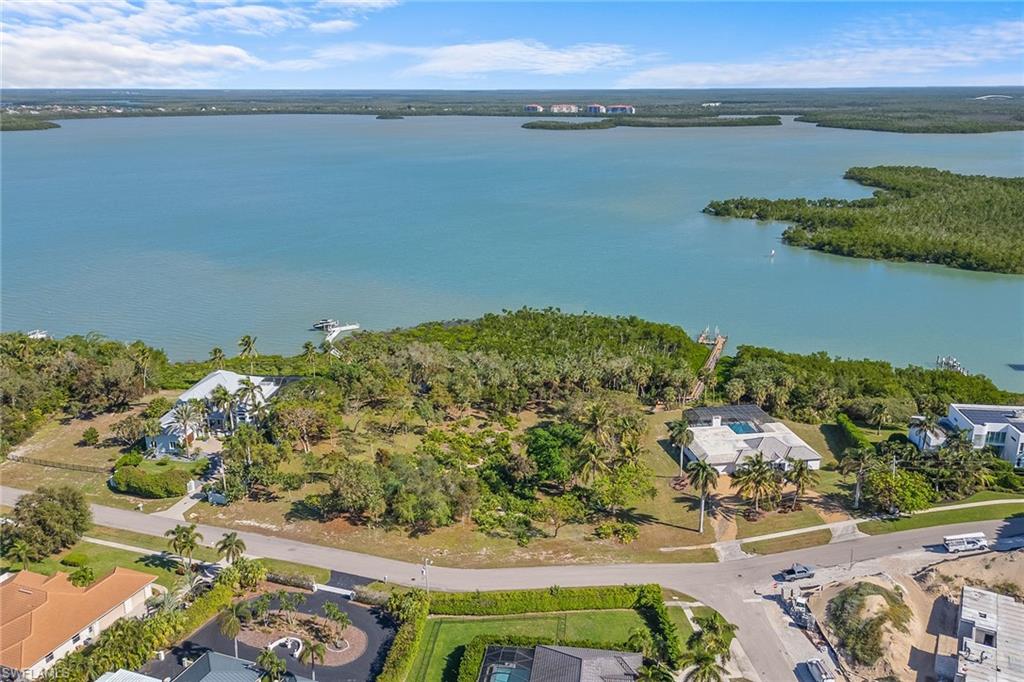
[(389, 44)]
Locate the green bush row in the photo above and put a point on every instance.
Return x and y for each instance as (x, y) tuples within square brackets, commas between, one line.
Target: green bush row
[(406, 643), (135, 481), (651, 606), (852, 434), (130, 642), (300, 580), (505, 602), (473, 654)]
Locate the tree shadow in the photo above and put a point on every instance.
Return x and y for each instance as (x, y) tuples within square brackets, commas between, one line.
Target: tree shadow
[(161, 560), (301, 510), (452, 662)]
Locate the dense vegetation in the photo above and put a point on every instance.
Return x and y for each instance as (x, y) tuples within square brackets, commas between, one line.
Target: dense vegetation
[(44, 523), (971, 222), (915, 121), (662, 122), (8, 122), (860, 635)]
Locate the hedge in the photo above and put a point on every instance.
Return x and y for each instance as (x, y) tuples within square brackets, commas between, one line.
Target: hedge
[(473, 653), (405, 645), (300, 580), (75, 560), (506, 602), (651, 606), (852, 434), (135, 481), (130, 643)]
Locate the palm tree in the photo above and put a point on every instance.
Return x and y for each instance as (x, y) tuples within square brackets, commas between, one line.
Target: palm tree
[(22, 551), (755, 479), (184, 540), (339, 619), (681, 436), (715, 635), (185, 415), (249, 394), (231, 547), (217, 356), (656, 672), (800, 475), (925, 425), (858, 461), (309, 355), (311, 653), (632, 448), (590, 461), (640, 639), (230, 626), (273, 667), (703, 477), (880, 417), (141, 355), (596, 421), (703, 666), (224, 402), (247, 347)]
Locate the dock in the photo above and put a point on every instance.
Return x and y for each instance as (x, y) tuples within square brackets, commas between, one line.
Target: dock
[(335, 331), (717, 344)]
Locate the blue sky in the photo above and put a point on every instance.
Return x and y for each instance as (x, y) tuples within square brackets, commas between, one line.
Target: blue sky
[(469, 45)]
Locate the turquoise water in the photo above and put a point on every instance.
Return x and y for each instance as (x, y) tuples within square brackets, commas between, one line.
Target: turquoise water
[(189, 232)]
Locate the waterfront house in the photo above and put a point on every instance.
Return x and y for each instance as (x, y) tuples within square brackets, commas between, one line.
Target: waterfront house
[(1000, 427), (728, 435), (564, 109), (172, 434), (595, 109), (621, 109), (44, 618), (533, 109), (546, 663)]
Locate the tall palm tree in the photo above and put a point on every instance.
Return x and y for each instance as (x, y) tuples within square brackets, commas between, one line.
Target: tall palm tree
[(880, 417), (309, 354), (249, 394), (231, 547), (230, 626), (591, 461), (756, 479), (681, 436), (339, 619), (224, 402), (186, 416), (217, 356), (801, 476), (596, 421), (925, 425), (715, 635), (141, 355), (703, 666), (184, 540), (703, 477), (273, 667), (858, 461), (311, 653), (247, 348)]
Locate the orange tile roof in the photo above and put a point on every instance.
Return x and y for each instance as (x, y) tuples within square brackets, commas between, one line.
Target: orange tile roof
[(39, 613)]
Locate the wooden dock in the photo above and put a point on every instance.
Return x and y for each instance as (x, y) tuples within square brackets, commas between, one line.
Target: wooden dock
[(717, 346)]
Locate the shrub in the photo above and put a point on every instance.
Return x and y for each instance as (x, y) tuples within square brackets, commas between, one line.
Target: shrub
[(75, 560), (852, 434), (407, 640), (604, 530), (132, 459), (82, 576), (626, 532), (135, 481), (367, 595), (301, 580), (90, 436), (535, 601), (157, 408)]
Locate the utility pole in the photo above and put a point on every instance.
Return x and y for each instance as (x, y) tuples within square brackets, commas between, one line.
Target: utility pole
[(426, 574)]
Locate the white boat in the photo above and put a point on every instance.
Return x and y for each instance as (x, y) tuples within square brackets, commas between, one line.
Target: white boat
[(38, 334), (326, 325)]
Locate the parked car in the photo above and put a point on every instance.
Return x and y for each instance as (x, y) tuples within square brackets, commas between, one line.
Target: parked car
[(820, 671), (797, 572)]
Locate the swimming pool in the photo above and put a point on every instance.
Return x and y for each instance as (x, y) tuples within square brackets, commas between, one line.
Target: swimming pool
[(501, 673), (742, 427)]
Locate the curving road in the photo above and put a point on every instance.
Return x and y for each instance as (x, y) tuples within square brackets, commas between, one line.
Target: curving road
[(728, 587)]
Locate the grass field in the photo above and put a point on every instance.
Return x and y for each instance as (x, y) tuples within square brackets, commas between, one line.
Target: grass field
[(788, 543), (320, 575), (774, 522), (102, 560), (93, 485), (441, 651), (984, 496), (941, 518)]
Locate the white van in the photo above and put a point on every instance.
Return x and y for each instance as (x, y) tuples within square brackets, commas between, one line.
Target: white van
[(819, 671), (966, 542)]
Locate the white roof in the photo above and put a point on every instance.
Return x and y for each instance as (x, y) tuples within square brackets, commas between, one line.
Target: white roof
[(232, 381), (997, 614), (125, 676), (720, 445)]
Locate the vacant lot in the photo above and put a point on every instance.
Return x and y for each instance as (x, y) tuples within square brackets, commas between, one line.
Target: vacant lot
[(440, 653), (789, 543), (777, 521)]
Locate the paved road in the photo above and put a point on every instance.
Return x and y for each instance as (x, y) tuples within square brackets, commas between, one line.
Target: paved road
[(723, 586)]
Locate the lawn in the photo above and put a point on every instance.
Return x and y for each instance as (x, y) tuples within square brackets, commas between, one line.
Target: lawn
[(150, 542), (678, 616), (984, 496), (774, 522), (104, 559), (941, 518), (320, 575), (93, 485), (788, 543), (441, 648)]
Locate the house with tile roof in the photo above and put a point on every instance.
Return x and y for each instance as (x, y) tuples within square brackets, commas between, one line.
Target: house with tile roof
[(558, 664), (44, 618)]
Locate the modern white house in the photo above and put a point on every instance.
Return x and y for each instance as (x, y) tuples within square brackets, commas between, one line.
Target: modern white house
[(172, 434), (596, 109), (44, 618), (1000, 427), (564, 109), (533, 108), (621, 109), (991, 634), (728, 435)]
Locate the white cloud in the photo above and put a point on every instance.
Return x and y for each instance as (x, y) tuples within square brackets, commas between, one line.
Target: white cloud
[(857, 58), (333, 26)]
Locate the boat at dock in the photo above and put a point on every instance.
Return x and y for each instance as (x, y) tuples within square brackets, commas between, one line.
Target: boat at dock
[(326, 325)]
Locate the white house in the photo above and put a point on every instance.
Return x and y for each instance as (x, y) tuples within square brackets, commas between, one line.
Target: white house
[(991, 634), (533, 108), (595, 109), (727, 436), (621, 109), (1000, 427), (564, 109), (171, 434), (44, 618)]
